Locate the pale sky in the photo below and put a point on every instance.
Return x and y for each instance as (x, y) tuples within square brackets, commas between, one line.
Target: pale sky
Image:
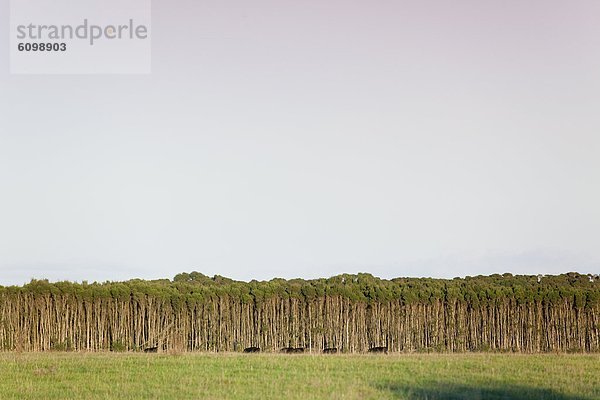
[(312, 138)]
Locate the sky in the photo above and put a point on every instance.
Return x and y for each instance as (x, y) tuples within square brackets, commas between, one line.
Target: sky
[(313, 138)]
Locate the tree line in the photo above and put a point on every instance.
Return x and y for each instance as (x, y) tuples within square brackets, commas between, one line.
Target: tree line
[(352, 313)]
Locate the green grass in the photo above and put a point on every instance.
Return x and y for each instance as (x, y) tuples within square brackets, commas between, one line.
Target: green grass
[(266, 376)]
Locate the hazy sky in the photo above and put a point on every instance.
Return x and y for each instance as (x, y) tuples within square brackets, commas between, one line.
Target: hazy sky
[(311, 138)]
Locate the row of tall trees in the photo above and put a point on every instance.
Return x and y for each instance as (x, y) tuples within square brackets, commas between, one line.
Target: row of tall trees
[(351, 312)]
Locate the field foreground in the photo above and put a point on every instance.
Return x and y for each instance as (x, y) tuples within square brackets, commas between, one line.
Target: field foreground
[(268, 376)]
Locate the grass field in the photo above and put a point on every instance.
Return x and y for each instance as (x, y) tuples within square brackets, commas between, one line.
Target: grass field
[(266, 376)]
